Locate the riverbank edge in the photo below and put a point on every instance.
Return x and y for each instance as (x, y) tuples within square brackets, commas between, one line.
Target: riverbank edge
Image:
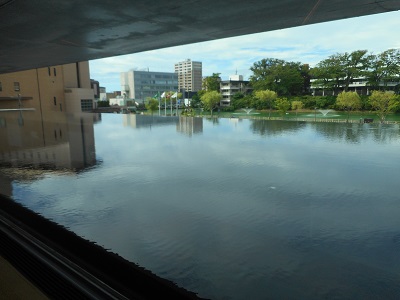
[(124, 276), (360, 117)]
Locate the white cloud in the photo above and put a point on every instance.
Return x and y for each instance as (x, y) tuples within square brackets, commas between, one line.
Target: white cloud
[(307, 44)]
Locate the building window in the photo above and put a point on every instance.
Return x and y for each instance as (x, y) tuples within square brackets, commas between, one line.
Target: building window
[(1, 87), (86, 104), (55, 100), (60, 106), (48, 70), (16, 86), (54, 71)]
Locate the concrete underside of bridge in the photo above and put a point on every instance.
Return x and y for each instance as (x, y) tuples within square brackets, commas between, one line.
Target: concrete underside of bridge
[(52, 32)]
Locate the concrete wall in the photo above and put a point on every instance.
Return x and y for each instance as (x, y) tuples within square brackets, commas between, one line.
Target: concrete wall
[(77, 75), (73, 97)]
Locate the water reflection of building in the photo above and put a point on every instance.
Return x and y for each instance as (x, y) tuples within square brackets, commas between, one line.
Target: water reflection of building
[(41, 124), (140, 121), (186, 125), (5, 185), (190, 125), (64, 141)]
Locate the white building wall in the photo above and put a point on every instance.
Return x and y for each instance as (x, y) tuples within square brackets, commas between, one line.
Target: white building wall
[(131, 83), (118, 101), (236, 77)]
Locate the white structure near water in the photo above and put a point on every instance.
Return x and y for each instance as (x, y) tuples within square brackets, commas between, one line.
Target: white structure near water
[(234, 85), (359, 85)]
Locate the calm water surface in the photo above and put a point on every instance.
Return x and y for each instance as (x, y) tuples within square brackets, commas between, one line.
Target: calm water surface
[(239, 209)]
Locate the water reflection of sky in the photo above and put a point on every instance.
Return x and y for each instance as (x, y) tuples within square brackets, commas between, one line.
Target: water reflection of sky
[(244, 209)]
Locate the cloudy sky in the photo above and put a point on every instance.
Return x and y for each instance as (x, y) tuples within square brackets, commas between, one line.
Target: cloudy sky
[(307, 44)]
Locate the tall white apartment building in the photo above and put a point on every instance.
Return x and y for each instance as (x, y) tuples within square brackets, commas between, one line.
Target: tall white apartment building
[(190, 75)]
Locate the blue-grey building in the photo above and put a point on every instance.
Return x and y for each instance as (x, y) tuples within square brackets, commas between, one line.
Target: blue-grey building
[(139, 85)]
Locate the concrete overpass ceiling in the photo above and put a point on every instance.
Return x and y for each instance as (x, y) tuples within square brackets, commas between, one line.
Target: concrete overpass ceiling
[(50, 32)]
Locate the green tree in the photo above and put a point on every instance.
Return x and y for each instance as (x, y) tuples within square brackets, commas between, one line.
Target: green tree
[(384, 68), (328, 73), (355, 65), (263, 73), (151, 105), (383, 103), (267, 98), (196, 99), (103, 103), (238, 101), (348, 101), (212, 83), (292, 79), (341, 69), (211, 100), (282, 105), (285, 78), (305, 74), (296, 105)]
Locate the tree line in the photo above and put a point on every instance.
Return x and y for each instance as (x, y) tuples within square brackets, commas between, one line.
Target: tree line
[(290, 82), (334, 73)]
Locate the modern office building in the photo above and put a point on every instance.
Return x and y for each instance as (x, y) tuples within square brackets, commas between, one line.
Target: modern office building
[(190, 75), (139, 85), (234, 85)]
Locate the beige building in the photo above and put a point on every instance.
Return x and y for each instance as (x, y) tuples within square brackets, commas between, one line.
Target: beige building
[(190, 75), (57, 88), (41, 120)]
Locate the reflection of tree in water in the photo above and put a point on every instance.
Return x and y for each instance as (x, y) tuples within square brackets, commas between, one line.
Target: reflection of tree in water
[(356, 133), (384, 133), (344, 132), (273, 128), (214, 121), (339, 132)]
